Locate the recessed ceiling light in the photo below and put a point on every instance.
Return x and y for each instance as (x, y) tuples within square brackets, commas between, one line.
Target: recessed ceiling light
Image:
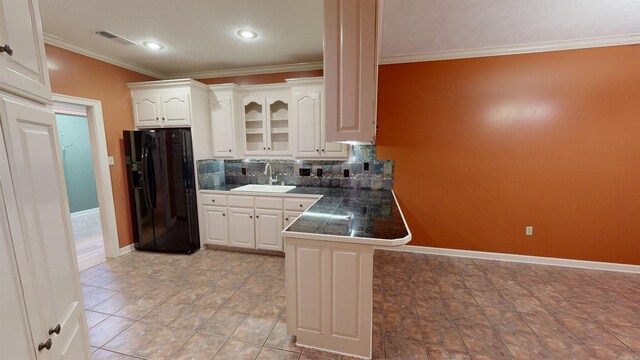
[(153, 45), (247, 34)]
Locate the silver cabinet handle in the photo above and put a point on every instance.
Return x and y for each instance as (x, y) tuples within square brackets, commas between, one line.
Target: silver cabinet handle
[(6, 49)]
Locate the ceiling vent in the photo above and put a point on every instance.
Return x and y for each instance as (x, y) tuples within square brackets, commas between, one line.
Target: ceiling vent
[(118, 38)]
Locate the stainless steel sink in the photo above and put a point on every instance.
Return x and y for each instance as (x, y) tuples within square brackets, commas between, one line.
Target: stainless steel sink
[(265, 188)]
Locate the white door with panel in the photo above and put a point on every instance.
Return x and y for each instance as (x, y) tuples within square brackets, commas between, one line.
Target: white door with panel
[(146, 111), (241, 228), (175, 109), (223, 127), (23, 66), (269, 228), (216, 225), (307, 115), (31, 141)]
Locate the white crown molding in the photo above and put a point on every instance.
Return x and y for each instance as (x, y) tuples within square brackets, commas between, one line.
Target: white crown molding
[(514, 49), (583, 264), (67, 45), (270, 69)]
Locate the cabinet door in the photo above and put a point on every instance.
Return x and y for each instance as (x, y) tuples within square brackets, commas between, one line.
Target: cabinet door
[(176, 110), (290, 216), (241, 228), (278, 126), (255, 126), (216, 225), (269, 229), (146, 111), (33, 151), (306, 114), (223, 130), (15, 340), (25, 71), (334, 150)]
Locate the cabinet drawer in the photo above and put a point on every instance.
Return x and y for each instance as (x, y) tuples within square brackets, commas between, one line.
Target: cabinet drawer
[(240, 201), (211, 199), (298, 204), (268, 203)]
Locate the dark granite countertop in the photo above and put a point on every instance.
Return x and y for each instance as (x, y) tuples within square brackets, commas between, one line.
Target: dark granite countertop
[(346, 212)]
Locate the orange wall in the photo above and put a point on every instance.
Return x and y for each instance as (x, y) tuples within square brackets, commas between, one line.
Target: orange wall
[(485, 146), (78, 75), (262, 78)]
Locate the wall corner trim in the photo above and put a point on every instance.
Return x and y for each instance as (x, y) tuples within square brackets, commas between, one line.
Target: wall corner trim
[(539, 260), (127, 249)]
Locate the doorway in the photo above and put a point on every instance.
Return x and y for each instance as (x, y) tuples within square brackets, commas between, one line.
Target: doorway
[(88, 181)]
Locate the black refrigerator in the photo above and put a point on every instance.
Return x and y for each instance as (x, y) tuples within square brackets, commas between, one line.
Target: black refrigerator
[(162, 190)]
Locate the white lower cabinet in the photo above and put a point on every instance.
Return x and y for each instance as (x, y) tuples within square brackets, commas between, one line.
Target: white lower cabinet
[(216, 225), (269, 229), (290, 216), (241, 228), (252, 222)]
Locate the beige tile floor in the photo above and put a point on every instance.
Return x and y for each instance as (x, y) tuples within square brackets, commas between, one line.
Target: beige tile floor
[(225, 305)]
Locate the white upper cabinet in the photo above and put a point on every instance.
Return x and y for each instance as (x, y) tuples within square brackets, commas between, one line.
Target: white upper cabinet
[(23, 66), (350, 69), (223, 120), (176, 109), (146, 111), (309, 122), (266, 120), (175, 103)]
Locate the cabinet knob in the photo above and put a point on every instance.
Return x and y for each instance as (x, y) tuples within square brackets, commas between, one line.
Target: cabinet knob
[(45, 345), (286, 219), (322, 150), (223, 214), (157, 118), (268, 148), (317, 150), (55, 330), (250, 217), (229, 150), (213, 200), (300, 205), (162, 119), (264, 148), (6, 49), (257, 216)]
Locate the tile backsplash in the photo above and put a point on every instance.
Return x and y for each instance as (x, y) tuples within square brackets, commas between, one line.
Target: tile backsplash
[(379, 175)]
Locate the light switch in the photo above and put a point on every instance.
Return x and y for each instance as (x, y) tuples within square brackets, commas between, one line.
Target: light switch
[(110, 160)]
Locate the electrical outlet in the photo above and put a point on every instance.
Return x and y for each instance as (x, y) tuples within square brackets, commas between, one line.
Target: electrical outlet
[(110, 160), (244, 171), (528, 230), (346, 173), (366, 166), (319, 172)]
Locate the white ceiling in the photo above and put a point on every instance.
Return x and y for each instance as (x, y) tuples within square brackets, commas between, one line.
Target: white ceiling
[(431, 29), (197, 35), (200, 35)]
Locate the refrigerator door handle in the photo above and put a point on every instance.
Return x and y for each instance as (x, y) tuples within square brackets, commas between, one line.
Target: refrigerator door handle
[(145, 170)]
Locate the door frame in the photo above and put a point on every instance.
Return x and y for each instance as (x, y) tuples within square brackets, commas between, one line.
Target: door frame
[(99, 154)]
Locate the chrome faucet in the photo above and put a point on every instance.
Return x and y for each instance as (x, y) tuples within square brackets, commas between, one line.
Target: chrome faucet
[(269, 172)]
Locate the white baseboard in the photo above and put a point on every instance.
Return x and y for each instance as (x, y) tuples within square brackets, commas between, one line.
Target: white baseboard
[(540, 260), (85, 212), (127, 249)]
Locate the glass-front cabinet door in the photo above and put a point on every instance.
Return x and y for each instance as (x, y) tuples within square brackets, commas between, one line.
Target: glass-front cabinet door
[(279, 126), (255, 126)]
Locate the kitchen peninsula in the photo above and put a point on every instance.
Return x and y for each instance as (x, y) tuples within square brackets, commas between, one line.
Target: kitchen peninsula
[(329, 259)]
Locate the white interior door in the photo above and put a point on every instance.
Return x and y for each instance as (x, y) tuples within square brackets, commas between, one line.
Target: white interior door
[(146, 111), (241, 228), (269, 230), (175, 110), (33, 151), (307, 118), (223, 134), (25, 70)]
